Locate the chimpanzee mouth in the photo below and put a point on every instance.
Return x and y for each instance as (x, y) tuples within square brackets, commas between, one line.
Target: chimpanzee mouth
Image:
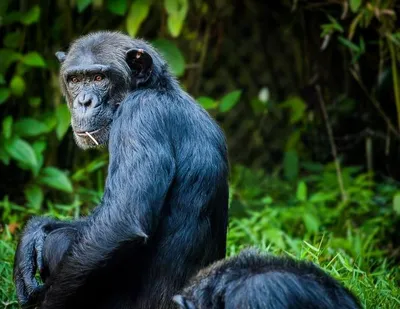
[(89, 134)]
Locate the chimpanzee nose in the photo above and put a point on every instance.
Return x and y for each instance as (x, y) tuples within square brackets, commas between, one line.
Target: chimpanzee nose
[(85, 100)]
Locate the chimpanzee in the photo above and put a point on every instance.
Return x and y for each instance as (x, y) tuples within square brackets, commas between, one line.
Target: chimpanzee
[(257, 281), (163, 215)]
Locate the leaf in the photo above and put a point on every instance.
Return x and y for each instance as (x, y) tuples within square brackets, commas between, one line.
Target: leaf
[(30, 127), (22, 152), (137, 14), (63, 120), (13, 39), (117, 7), (32, 16), (311, 222), (291, 165), (34, 196), (229, 100), (82, 4), (396, 203), (207, 102), (4, 95), (177, 11), (172, 55), (54, 178), (7, 127), (297, 107), (355, 5), (17, 86), (35, 101), (349, 44), (33, 59), (301, 193)]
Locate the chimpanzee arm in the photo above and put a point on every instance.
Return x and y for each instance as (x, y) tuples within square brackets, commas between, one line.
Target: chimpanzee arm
[(29, 257), (141, 170)]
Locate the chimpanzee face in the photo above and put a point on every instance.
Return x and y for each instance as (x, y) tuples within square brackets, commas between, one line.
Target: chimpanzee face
[(95, 79)]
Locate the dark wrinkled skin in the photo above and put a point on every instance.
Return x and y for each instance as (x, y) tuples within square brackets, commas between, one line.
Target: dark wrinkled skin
[(163, 215), (256, 281)]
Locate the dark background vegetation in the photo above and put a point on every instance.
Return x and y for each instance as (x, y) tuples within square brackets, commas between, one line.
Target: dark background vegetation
[(308, 93)]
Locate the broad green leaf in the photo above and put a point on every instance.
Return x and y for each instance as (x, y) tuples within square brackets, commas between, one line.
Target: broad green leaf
[(207, 102), (291, 165), (177, 11), (301, 193), (17, 86), (172, 55), (355, 5), (34, 196), (54, 178), (117, 7), (396, 203), (137, 14), (4, 95), (63, 120), (82, 4), (311, 222), (30, 127), (22, 152), (32, 16), (229, 101), (175, 24), (33, 59), (7, 127), (7, 57)]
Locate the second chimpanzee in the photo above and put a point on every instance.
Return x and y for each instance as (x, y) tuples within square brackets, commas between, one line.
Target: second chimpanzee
[(163, 215), (255, 281)]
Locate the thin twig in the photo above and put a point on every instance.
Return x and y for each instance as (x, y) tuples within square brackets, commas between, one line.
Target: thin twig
[(93, 139), (332, 143)]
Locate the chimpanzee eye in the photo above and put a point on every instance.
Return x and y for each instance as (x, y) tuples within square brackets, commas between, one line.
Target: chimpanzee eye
[(98, 77), (74, 79)]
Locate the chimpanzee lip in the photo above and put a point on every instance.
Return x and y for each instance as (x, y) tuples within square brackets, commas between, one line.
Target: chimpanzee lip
[(84, 133)]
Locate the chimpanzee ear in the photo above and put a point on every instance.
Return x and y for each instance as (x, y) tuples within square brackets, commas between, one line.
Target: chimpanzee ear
[(61, 56), (183, 302), (140, 63)]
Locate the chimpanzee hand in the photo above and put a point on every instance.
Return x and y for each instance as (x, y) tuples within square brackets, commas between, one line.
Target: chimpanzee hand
[(29, 259)]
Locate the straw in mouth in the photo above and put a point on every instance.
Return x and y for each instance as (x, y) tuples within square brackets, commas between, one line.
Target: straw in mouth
[(92, 138)]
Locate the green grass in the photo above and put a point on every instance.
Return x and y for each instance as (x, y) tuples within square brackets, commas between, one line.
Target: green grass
[(304, 219)]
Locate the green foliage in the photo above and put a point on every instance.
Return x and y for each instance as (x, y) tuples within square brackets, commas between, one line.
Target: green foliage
[(172, 55)]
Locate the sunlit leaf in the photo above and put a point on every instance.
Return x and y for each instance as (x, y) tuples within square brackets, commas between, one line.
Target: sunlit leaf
[(177, 11), (34, 59), (117, 7), (207, 102), (301, 193), (311, 222), (17, 86), (229, 101), (22, 152), (54, 178), (172, 55), (63, 120), (137, 14)]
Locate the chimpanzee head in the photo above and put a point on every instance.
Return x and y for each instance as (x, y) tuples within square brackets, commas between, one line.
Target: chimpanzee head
[(97, 73)]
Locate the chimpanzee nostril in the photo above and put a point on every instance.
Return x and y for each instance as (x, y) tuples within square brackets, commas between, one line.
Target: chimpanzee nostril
[(85, 100)]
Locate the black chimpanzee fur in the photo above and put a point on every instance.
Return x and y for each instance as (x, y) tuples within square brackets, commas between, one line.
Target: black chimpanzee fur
[(256, 281), (163, 215)]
